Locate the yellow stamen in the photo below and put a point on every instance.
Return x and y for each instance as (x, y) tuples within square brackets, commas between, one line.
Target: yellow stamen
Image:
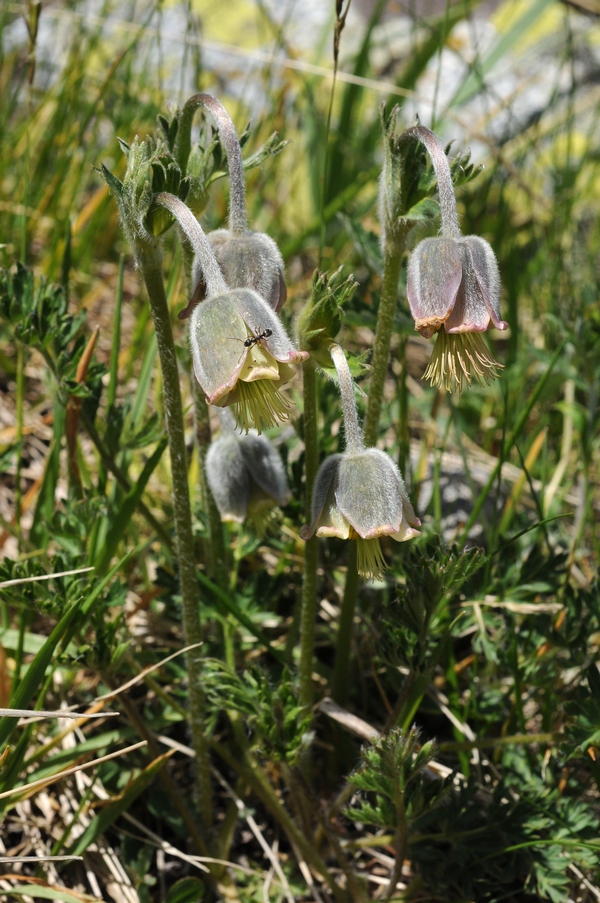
[(458, 358), (260, 405), (370, 560)]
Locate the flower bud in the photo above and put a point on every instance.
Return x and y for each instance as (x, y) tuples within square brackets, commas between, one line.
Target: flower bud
[(248, 260), (246, 477)]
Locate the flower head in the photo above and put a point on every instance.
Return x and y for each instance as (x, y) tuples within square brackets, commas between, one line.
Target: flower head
[(242, 356), (453, 289), (360, 495), (246, 477), (249, 260)]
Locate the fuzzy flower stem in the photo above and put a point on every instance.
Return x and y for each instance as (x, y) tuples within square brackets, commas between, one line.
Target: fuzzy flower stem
[(228, 135), (149, 258), (216, 555), (354, 438), (392, 262), (311, 548), (450, 227), (215, 284)]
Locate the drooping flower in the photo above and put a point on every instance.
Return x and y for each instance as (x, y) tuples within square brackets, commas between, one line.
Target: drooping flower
[(453, 289), (241, 353), (360, 495), (242, 356), (246, 477)]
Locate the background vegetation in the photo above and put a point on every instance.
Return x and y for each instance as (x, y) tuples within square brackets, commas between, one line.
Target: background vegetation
[(485, 632)]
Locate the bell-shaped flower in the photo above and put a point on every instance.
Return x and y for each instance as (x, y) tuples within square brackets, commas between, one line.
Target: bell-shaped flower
[(242, 356), (453, 289), (360, 495), (246, 477), (241, 353)]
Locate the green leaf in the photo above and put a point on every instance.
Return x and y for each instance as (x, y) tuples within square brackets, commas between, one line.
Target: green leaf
[(44, 892), (186, 890), (115, 185), (27, 688)]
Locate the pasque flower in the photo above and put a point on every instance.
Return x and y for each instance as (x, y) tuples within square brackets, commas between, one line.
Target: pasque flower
[(360, 494), (246, 475), (247, 259), (242, 356), (453, 289), (241, 353)]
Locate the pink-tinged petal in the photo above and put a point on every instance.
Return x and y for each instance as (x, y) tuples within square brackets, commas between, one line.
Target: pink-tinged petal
[(433, 280), (487, 275), (261, 319), (217, 336), (471, 312)]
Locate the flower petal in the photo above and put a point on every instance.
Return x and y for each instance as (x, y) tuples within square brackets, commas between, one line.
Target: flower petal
[(371, 495), (487, 274), (327, 519), (260, 318), (433, 280), (259, 364), (228, 477), (266, 467), (251, 260), (217, 336), (478, 298)]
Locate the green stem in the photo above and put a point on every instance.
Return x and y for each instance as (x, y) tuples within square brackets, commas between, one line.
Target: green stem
[(311, 548), (217, 558), (392, 262), (150, 261), (400, 842), (19, 431), (340, 682)]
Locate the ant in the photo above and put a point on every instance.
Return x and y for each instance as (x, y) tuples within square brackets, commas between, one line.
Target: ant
[(253, 339)]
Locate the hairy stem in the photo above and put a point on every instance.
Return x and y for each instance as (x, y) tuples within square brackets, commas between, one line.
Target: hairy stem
[(256, 778), (213, 277), (311, 548), (354, 439), (229, 139), (392, 262), (217, 558), (149, 259), (450, 227)]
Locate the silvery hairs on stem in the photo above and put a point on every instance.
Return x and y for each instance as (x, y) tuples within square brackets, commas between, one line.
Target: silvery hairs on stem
[(247, 259)]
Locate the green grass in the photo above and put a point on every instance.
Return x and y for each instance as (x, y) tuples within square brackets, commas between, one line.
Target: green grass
[(490, 652)]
